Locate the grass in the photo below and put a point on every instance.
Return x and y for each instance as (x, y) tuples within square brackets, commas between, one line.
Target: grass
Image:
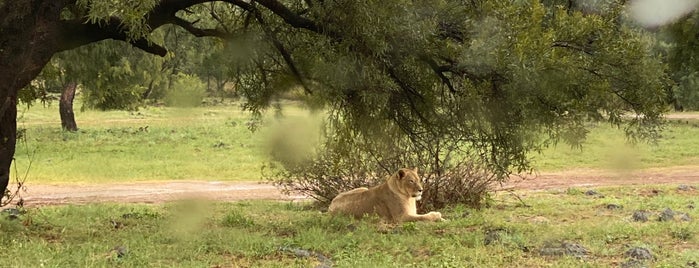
[(215, 143), (606, 147), (211, 143), (275, 234)]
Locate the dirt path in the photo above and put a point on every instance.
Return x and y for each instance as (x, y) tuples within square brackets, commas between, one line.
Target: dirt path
[(158, 192)]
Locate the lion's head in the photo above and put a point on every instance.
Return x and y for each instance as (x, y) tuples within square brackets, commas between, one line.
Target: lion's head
[(409, 183)]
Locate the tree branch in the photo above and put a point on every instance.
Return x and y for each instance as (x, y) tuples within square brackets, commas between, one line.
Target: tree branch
[(78, 32), (288, 16), (75, 33), (573, 46), (198, 32), (280, 47)]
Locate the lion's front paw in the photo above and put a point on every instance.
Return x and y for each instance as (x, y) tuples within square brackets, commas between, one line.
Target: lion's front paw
[(435, 216)]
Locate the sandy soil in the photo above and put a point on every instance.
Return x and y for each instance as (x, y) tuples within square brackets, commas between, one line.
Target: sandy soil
[(157, 192)]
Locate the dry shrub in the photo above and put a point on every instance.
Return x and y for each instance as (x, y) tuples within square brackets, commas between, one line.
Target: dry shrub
[(322, 178), (466, 183), (330, 173)]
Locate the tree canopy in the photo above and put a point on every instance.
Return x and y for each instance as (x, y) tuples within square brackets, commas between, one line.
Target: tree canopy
[(490, 76)]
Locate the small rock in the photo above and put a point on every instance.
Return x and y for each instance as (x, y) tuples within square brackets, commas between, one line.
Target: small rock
[(575, 249), (120, 251), (325, 262), (564, 248), (640, 215), (12, 213), (692, 264), (633, 263), (684, 187), (614, 206), (492, 236), (667, 215), (591, 192), (685, 217), (639, 253)]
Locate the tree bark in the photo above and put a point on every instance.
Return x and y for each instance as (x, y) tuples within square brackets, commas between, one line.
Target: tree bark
[(8, 137), (28, 39), (65, 107)]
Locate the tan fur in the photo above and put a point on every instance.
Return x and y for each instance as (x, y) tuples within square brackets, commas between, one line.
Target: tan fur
[(393, 200)]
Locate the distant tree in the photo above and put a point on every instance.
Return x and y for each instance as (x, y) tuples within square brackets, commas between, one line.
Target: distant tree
[(682, 46), (488, 76)]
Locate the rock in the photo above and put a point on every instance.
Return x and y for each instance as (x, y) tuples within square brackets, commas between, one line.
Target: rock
[(614, 206), (639, 253), (325, 262), (120, 251), (492, 236), (667, 215), (12, 213), (564, 248), (575, 249), (640, 215), (591, 192), (684, 187), (685, 217), (633, 263)]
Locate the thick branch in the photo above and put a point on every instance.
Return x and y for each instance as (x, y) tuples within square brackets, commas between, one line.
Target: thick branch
[(75, 33), (198, 32), (289, 16)]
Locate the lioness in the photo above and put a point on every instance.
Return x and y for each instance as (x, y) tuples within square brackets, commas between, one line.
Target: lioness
[(393, 200)]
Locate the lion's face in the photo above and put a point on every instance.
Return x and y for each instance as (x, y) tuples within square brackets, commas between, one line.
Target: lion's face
[(410, 182)]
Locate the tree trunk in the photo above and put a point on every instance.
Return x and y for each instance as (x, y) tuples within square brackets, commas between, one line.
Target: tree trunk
[(65, 107), (8, 137), (28, 39)]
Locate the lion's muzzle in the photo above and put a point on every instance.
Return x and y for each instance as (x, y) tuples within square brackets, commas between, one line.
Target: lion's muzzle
[(418, 195)]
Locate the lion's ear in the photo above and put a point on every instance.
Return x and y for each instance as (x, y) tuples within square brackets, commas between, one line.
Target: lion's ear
[(401, 173)]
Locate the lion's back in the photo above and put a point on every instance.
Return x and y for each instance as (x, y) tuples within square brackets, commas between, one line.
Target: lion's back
[(352, 202), (361, 201)]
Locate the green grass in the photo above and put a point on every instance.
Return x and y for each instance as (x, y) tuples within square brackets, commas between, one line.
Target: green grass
[(265, 234), (607, 147), (211, 143), (214, 143)]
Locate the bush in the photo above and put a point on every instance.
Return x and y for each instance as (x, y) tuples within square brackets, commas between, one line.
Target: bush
[(113, 98), (186, 91), (345, 163)]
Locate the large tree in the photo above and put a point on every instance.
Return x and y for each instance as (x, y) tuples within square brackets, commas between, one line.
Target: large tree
[(489, 74)]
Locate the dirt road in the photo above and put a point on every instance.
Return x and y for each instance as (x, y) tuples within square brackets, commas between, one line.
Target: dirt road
[(157, 192)]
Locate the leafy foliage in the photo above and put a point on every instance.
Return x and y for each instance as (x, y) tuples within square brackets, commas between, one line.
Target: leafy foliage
[(683, 58), (442, 84), (186, 91)]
